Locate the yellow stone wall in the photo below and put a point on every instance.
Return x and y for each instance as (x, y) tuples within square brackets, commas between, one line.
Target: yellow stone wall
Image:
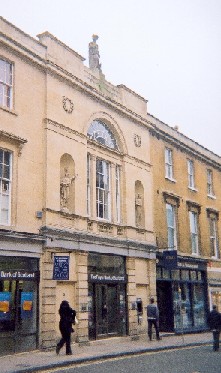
[(179, 188)]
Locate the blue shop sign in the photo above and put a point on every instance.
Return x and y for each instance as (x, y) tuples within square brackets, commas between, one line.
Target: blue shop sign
[(170, 259), (61, 268)]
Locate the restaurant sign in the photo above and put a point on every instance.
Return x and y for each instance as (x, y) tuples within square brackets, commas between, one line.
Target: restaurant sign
[(95, 277)]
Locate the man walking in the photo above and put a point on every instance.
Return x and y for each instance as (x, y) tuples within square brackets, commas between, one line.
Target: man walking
[(214, 322), (153, 319)]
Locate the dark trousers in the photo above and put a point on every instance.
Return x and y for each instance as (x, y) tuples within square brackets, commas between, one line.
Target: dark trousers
[(66, 338), (216, 334), (151, 323)]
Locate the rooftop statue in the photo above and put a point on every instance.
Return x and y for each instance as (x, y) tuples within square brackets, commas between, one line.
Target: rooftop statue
[(94, 54)]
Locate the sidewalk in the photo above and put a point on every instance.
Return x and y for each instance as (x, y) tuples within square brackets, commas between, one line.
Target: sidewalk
[(34, 361)]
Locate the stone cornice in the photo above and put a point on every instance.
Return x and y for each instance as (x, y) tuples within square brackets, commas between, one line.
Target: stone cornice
[(36, 53), (52, 37), (64, 128), (164, 132), (96, 94), (21, 236), (11, 136), (62, 234), (131, 91)]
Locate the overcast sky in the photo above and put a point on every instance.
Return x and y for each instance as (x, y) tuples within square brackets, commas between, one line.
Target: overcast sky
[(168, 51)]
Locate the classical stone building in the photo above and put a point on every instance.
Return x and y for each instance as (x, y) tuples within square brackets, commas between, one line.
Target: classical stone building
[(187, 203), (76, 206)]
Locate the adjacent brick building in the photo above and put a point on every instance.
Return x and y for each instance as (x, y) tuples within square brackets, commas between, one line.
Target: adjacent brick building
[(187, 201)]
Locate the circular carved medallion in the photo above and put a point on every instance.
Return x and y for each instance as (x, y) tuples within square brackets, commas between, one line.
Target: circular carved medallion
[(68, 105)]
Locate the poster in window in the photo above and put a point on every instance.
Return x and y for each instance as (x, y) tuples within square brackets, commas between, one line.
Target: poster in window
[(61, 268), (5, 300), (26, 305)]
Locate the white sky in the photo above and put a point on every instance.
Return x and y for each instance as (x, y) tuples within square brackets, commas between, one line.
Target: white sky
[(168, 51)]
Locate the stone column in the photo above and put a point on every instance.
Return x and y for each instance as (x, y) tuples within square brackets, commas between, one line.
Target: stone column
[(113, 192), (82, 297), (48, 305), (151, 264), (131, 295), (93, 186)]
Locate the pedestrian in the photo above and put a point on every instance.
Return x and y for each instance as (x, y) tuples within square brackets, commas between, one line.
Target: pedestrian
[(67, 318), (214, 322), (153, 319)]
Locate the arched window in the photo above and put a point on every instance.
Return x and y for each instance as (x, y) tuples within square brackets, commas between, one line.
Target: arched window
[(101, 133), (103, 175)]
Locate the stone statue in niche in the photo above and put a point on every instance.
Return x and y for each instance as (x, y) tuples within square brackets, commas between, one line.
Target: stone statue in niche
[(94, 54), (65, 184), (138, 210)]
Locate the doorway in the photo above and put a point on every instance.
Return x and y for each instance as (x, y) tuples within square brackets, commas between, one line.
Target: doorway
[(165, 304), (107, 310)]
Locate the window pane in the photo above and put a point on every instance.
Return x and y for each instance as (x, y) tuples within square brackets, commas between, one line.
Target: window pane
[(5, 159), (103, 191), (101, 133)]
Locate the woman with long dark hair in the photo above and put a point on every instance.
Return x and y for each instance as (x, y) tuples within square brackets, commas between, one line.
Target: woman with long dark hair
[(67, 318)]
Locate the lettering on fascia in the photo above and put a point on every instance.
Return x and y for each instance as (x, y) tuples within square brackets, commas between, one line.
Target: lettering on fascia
[(17, 274)]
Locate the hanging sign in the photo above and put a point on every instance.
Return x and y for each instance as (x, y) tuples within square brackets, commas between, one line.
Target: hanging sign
[(61, 268), (170, 259)]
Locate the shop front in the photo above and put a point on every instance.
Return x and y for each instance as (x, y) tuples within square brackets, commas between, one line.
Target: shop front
[(182, 295), (214, 284), (107, 296), (19, 278)]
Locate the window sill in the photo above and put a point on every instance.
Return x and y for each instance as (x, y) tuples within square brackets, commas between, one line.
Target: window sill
[(215, 257), (10, 111), (211, 196), (170, 179), (192, 189)]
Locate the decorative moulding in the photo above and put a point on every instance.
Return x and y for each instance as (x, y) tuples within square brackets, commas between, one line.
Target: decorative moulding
[(68, 105)]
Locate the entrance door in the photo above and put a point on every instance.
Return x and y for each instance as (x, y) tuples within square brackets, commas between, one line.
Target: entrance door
[(107, 314), (165, 304), (18, 316), (106, 310)]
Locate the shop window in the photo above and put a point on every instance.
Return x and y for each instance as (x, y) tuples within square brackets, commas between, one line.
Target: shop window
[(5, 187), (215, 299), (176, 275), (185, 275), (6, 84), (193, 275), (168, 164), (166, 273)]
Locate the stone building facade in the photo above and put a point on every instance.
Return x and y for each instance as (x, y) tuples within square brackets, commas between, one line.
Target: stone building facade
[(187, 202), (76, 205)]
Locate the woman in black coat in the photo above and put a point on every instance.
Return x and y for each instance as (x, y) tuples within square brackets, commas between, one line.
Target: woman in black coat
[(67, 317)]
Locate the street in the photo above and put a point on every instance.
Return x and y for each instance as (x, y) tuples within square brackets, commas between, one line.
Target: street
[(186, 360)]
